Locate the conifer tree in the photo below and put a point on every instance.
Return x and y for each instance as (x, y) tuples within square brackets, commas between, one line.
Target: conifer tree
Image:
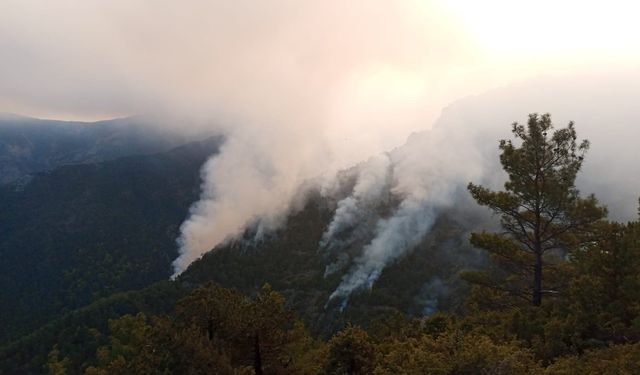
[(541, 209)]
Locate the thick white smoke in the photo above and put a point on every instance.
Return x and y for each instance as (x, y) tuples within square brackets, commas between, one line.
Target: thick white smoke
[(372, 182), (298, 88), (301, 99), (428, 172), (433, 168), (302, 88)]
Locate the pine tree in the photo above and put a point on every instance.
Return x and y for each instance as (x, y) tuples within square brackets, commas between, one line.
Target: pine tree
[(56, 365), (541, 209), (350, 351)]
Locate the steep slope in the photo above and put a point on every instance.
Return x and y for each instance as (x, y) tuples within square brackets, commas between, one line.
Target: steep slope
[(291, 260), (288, 259), (29, 145), (420, 276), (82, 232), (78, 333)]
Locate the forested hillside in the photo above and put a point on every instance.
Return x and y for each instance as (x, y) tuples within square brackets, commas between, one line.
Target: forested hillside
[(553, 291), (29, 145), (424, 282), (82, 232)]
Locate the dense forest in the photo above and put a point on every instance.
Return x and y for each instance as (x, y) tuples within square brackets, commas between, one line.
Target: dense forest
[(83, 232), (555, 290), (29, 145)]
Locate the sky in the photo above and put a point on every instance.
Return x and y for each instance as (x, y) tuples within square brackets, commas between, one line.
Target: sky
[(91, 59), (300, 88)]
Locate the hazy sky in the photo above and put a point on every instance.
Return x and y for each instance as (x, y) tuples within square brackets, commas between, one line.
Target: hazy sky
[(363, 61), (300, 88)]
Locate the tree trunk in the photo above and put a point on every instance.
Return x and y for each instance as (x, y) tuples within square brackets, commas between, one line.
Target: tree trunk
[(537, 280), (210, 329), (352, 366), (257, 360), (537, 245)]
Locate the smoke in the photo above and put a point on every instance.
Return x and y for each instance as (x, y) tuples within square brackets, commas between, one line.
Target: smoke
[(430, 295), (298, 89), (353, 213), (393, 238), (428, 172), (432, 169), (304, 89), (602, 105), (319, 100)]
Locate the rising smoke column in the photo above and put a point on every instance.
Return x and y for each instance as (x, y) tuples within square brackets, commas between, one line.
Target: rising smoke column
[(297, 86), (297, 99), (346, 226), (432, 169), (242, 185), (393, 237), (429, 172)]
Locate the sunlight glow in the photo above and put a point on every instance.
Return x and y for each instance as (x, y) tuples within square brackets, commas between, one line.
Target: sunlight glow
[(565, 29)]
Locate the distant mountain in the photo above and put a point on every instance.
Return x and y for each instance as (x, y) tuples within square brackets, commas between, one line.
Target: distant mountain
[(115, 232), (81, 232), (29, 145)]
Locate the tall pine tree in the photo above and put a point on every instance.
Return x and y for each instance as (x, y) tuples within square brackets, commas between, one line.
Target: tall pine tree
[(541, 209)]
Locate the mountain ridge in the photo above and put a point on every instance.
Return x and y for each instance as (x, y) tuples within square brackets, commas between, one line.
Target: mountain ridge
[(30, 145), (80, 232)]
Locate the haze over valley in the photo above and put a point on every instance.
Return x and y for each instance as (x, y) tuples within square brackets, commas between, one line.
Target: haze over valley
[(346, 176)]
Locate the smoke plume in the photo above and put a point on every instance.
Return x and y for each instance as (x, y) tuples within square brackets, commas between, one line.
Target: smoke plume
[(348, 224), (303, 89), (319, 100), (428, 172), (432, 169)]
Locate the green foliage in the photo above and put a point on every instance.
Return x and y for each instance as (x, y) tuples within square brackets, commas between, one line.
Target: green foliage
[(195, 326), (290, 262), (604, 294), (541, 209), (84, 232), (80, 333), (618, 360), (212, 330), (56, 365), (219, 330), (454, 351), (350, 351)]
